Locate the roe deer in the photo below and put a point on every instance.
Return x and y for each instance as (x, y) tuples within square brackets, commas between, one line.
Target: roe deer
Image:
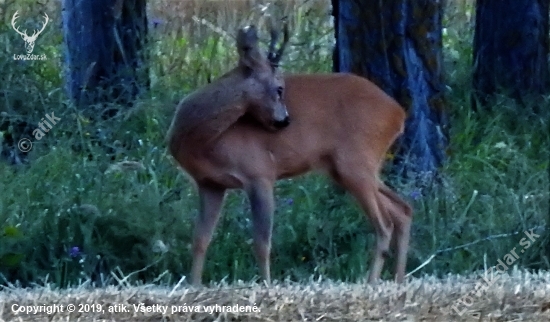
[(337, 123)]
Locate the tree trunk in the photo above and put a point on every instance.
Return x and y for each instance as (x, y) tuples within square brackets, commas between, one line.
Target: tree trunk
[(104, 51), (510, 49), (397, 45)]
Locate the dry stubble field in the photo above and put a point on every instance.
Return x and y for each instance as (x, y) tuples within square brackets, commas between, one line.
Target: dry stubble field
[(518, 296)]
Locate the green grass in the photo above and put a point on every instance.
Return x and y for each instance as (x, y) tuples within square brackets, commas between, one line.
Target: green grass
[(140, 219)]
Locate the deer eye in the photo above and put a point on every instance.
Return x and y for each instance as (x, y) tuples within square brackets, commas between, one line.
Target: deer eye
[(280, 91)]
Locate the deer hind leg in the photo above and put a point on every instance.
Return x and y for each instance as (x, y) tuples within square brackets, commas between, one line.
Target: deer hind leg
[(211, 201), (262, 204), (401, 214), (364, 187)]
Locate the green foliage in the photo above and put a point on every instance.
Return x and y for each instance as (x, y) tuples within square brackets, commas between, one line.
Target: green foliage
[(97, 198)]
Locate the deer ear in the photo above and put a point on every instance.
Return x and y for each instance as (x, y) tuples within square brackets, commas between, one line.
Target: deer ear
[(247, 46)]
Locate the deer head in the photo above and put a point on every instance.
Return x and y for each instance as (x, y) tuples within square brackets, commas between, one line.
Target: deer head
[(265, 84), (29, 40)]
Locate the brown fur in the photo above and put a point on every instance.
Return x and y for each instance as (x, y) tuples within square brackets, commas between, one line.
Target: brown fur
[(339, 123), (250, 87)]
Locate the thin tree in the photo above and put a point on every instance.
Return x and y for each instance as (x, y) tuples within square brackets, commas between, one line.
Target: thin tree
[(510, 50), (104, 51), (397, 45)]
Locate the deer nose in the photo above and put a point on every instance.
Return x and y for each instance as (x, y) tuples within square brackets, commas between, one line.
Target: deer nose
[(282, 124)]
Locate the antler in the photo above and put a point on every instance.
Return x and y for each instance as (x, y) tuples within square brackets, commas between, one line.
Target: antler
[(35, 34), (275, 57), (23, 34)]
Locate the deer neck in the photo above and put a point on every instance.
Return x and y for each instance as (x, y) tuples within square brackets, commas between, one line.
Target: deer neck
[(206, 113)]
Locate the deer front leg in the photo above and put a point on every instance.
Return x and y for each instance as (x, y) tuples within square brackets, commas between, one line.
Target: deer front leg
[(260, 195), (211, 201)]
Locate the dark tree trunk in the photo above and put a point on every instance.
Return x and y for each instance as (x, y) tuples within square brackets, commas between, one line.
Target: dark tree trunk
[(397, 45), (510, 49), (105, 50)]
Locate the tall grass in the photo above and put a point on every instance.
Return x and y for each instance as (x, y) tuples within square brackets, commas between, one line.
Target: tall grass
[(100, 199)]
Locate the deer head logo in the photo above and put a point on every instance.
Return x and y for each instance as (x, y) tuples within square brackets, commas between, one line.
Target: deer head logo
[(29, 40)]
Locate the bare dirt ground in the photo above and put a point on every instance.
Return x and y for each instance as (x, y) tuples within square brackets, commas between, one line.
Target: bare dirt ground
[(518, 296)]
